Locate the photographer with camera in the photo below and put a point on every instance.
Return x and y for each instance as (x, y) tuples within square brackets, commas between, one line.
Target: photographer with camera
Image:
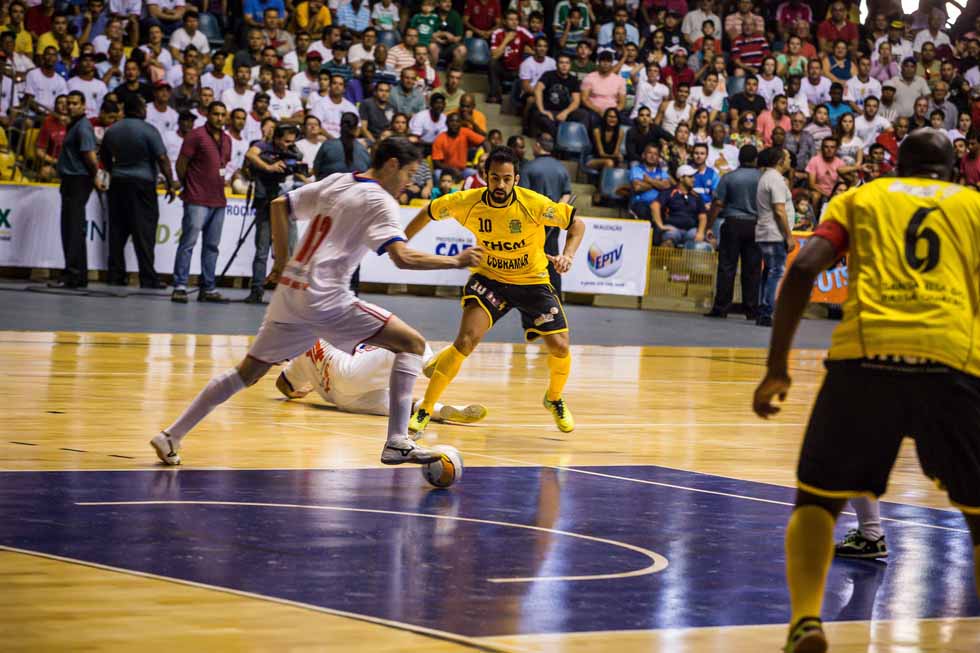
[(270, 164), (204, 154)]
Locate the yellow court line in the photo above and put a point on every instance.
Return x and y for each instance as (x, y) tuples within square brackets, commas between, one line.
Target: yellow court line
[(659, 563)]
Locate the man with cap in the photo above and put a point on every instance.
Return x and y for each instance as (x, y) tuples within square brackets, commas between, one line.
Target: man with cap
[(548, 176), (901, 47), (132, 152), (887, 108), (160, 114), (908, 88), (679, 215), (678, 72), (735, 206), (306, 83)]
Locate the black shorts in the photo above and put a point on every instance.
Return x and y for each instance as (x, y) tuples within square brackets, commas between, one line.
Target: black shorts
[(864, 410), (541, 310)]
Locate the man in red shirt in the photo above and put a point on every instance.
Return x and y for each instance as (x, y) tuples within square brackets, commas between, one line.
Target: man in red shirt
[(970, 164), (678, 72), (200, 167), (506, 46), (481, 17), (890, 140), (837, 27), (451, 148)]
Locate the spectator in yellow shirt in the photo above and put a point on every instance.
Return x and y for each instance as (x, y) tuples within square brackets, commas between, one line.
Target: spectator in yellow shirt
[(59, 28), (15, 23), (320, 12)]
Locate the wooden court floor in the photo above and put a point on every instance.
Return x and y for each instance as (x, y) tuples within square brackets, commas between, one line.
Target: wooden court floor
[(655, 526)]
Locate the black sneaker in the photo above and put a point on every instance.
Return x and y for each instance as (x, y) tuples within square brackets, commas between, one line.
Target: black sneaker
[(212, 296), (716, 313), (763, 321), (255, 297), (855, 545), (179, 295)]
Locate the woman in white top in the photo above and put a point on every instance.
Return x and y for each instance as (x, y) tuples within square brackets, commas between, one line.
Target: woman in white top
[(770, 85), (963, 128), (850, 148), (700, 132)]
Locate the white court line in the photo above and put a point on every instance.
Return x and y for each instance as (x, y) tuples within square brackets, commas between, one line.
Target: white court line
[(398, 625), (659, 563), (627, 425), (629, 479)]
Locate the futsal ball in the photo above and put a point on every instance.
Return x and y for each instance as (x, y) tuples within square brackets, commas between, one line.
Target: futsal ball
[(445, 471)]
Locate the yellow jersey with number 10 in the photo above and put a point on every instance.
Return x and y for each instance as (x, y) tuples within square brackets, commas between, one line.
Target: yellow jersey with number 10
[(513, 236), (913, 272)]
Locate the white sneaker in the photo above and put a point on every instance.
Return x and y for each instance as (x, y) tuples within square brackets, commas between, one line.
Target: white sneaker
[(166, 448), (468, 415), (403, 450)]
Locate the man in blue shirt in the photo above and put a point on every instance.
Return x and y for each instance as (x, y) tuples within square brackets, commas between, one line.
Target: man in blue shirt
[(254, 10), (705, 179), (837, 107), (679, 215), (648, 180)]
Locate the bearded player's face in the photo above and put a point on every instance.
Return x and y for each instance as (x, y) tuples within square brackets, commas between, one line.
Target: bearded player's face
[(501, 180)]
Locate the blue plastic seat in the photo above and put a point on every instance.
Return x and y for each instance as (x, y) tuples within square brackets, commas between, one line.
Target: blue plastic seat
[(573, 139), (477, 52), (389, 39), (610, 181), (209, 26)]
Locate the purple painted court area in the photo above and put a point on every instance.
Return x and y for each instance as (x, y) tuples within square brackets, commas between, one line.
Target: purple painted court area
[(725, 553)]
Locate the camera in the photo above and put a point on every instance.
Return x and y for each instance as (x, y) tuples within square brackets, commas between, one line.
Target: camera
[(293, 159)]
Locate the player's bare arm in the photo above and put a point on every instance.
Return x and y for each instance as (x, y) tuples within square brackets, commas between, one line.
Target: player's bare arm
[(279, 219), (817, 256), (563, 262), (418, 223), (406, 258)]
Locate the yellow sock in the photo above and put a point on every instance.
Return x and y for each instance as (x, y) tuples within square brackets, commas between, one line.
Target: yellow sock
[(447, 367), (809, 549), (559, 368)]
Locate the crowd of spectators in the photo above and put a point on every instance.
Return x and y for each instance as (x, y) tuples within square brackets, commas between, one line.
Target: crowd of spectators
[(663, 87)]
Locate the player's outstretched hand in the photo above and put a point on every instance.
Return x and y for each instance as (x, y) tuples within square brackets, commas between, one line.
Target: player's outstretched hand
[(773, 385), (561, 262), (469, 257)]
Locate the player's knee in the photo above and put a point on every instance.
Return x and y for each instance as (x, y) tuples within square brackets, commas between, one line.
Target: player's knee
[(833, 506), (558, 347), (251, 371), (466, 342)]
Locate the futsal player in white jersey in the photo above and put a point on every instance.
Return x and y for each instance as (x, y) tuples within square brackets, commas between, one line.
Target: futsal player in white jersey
[(350, 215), (357, 383)]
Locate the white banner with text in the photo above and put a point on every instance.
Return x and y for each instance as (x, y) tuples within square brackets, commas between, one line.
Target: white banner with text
[(613, 258)]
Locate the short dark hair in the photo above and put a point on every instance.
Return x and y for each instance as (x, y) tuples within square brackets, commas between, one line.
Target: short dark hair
[(77, 94), (285, 128), (747, 155), (133, 106), (239, 111), (401, 149), (217, 104), (502, 155), (769, 157)]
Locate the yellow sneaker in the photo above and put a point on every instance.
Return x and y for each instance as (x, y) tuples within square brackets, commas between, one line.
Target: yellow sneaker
[(806, 636), (468, 415), (420, 420), (563, 416)]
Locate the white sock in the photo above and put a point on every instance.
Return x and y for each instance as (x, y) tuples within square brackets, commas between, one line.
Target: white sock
[(403, 374), (218, 390), (869, 517), (437, 410)]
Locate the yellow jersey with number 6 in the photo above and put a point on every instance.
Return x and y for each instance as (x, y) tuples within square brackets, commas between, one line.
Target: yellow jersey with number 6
[(513, 236), (913, 272)]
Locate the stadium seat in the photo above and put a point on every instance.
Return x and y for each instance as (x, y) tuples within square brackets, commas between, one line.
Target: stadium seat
[(611, 180), (211, 29), (573, 139), (30, 144), (478, 52), (389, 38)]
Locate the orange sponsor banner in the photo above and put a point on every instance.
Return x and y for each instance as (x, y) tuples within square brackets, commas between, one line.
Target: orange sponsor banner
[(831, 286)]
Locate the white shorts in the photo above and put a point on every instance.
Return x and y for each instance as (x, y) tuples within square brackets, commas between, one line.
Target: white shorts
[(345, 328)]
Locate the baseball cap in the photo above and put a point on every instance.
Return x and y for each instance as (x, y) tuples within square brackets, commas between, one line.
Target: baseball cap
[(678, 49), (686, 171), (605, 55), (910, 60), (314, 55), (888, 85), (897, 24), (162, 83)]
